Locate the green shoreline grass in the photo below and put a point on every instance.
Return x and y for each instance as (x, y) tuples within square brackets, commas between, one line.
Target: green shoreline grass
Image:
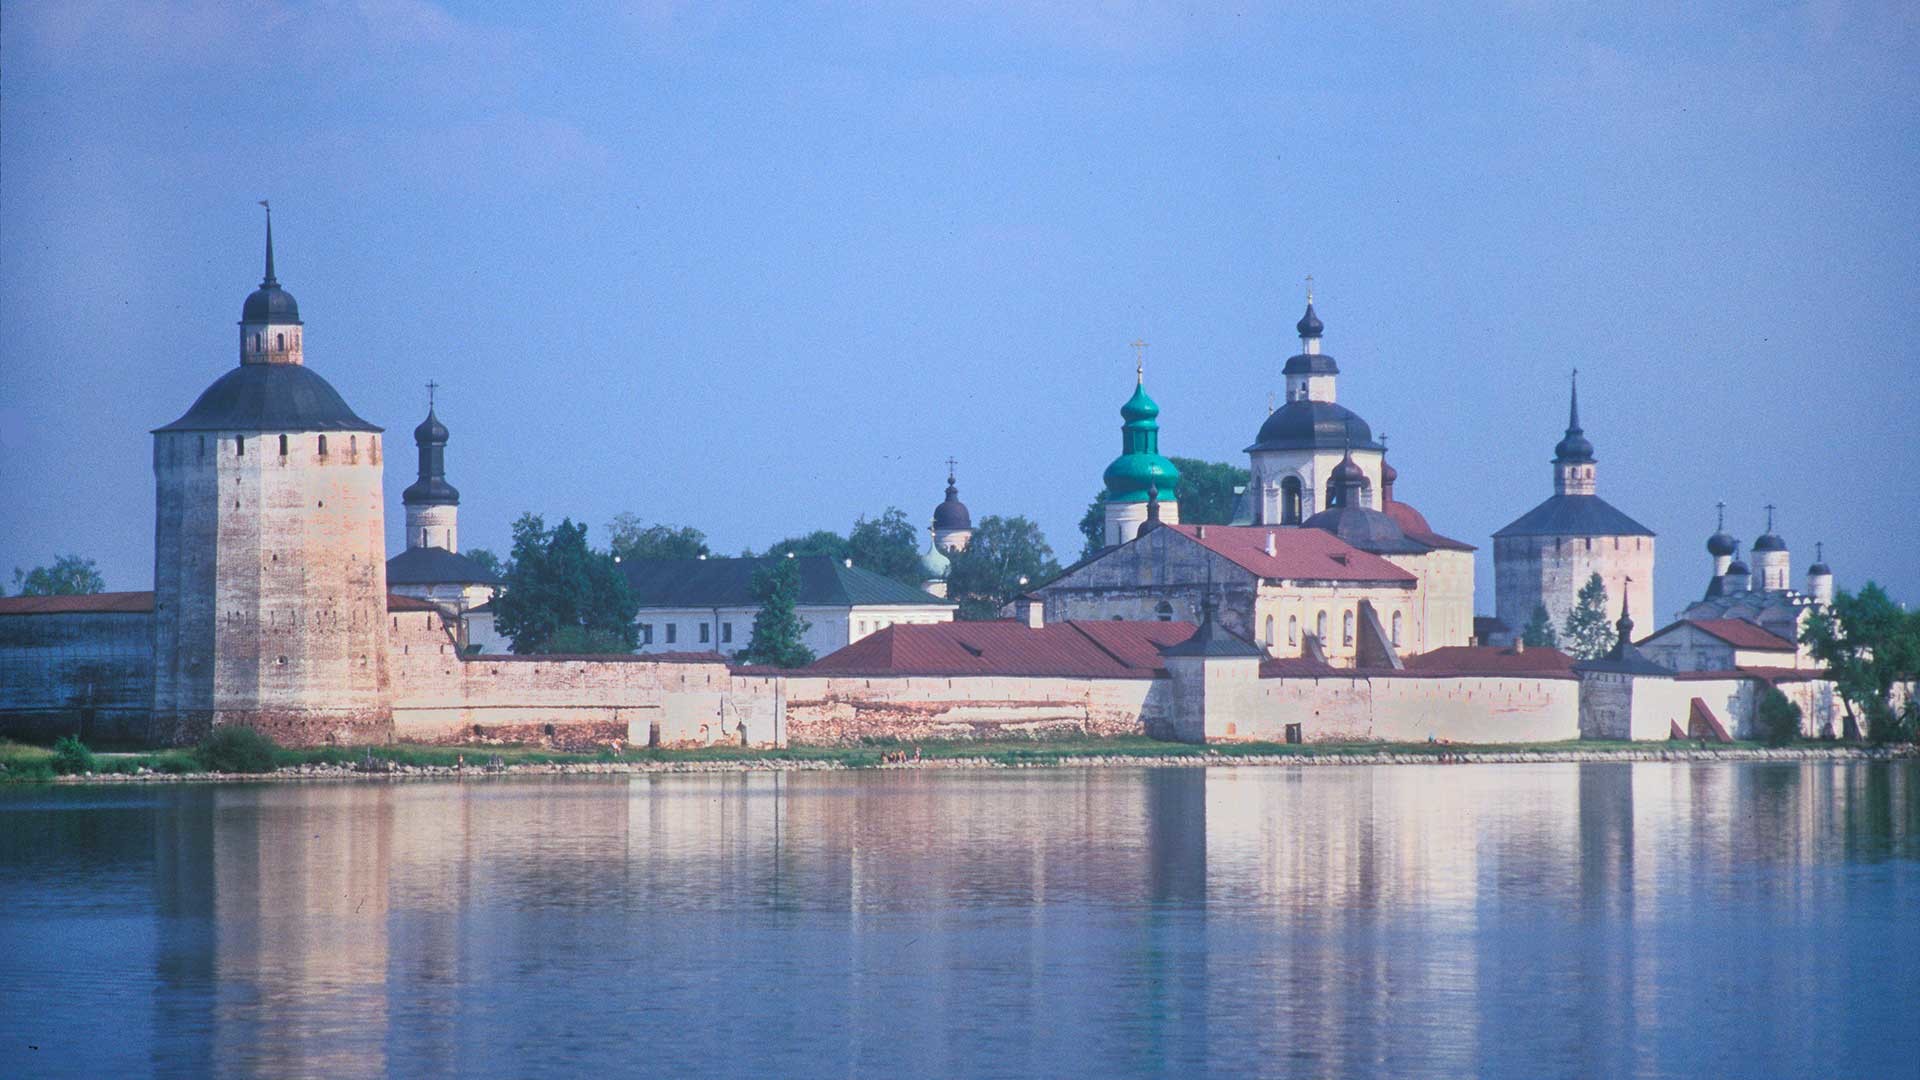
[(26, 763)]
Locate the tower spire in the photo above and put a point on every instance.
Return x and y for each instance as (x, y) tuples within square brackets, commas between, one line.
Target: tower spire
[(1573, 405), (268, 281)]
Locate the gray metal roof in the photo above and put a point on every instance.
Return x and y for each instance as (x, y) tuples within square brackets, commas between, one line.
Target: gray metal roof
[(824, 582), (436, 566), (1216, 641), (1575, 515), (270, 397), (1314, 425)]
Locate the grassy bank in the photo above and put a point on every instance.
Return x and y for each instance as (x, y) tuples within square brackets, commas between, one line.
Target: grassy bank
[(25, 763)]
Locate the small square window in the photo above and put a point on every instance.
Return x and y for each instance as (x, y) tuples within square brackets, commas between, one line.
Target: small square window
[(726, 632), (706, 632), (673, 632)]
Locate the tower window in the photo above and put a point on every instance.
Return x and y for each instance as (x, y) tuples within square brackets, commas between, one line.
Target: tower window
[(1320, 627), (706, 633), (1290, 501), (1269, 634), (1163, 611), (283, 446), (239, 446), (726, 632), (323, 446), (673, 632), (256, 343)]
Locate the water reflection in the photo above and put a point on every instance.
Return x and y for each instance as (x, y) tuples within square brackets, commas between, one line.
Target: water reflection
[(1643, 919)]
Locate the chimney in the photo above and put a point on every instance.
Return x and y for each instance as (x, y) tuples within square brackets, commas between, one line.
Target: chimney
[(1030, 609), (1519, 646), (1271, 551), (1200, 531)]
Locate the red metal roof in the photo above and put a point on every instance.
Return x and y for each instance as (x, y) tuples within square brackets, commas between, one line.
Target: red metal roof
[(114, 602), (1298, 553), (1738, 633), (1091, 650), (1414, 524), (396, 602), (1489, 660)]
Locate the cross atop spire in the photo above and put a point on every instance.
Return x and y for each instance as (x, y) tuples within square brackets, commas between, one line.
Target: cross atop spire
[(1309, 288), (1770, 509), (1819, 551), (950, 466), (1573, 406), (1720, 520), (1139, 361), (431, 387), (268, 281)]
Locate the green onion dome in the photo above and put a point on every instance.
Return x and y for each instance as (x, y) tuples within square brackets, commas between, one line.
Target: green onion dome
[(934, 564), (1140, 468)]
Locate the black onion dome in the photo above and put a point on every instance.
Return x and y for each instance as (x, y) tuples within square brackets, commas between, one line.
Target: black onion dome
[(1819, 569), (1738, 567), (431, 430), (1368, 530), (430, 491), (1573, 449), (1721, 544), (270, 397), (1348, 472), (952, 513), (270, 304), (1310, 325), (1313, 425), (1769, 542)]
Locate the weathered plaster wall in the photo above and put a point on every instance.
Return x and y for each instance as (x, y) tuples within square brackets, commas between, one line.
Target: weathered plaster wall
[(842, 710), (270, 585), (1395, 708), (89, 675)]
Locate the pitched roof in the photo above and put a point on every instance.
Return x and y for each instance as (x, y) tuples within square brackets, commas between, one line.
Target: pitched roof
[(1738, 633), (1535, 661), (1574, 515), (89, 603), (1414, 524), (824, 582), (436, 566), (1090, 650), (1309, 554), (1215, 641), (396, 602)]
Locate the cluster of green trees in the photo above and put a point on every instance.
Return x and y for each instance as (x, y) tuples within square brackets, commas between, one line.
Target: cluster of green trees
[(562, 596), (1871, 648), (1588, 633), (70, 575), (1207, 497)]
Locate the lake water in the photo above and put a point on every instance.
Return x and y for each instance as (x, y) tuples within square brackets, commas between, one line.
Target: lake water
[(1491, 920)]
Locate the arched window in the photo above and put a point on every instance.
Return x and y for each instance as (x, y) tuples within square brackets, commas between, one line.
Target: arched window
[(323, 446), (1396, 629), (1269, 633), (239, 446), (280, 342), (1320, 627), (1290, 501), (1163, 611), (283, 446), (1346, 629), (1293, 629), (256, 343)]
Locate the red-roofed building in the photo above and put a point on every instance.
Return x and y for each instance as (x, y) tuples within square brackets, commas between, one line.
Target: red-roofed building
[(1274, 585), (1085, 650), (1722, 645)]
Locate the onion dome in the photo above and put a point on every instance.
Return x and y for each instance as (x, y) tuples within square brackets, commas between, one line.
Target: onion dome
[(1819, 567), (1770, 540), (934, 564), (1313, 425), (1574, 448), (1737, 568), (1140, 469), (952, 514), (1310, 325), (270, 303), (1721, 544), (431, 489), (1349, 472), (1388, 474)]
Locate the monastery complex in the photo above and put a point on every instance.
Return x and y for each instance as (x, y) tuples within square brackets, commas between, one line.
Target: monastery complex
[(1328, 609)]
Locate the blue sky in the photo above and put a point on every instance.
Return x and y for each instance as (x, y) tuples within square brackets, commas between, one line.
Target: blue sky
[(760, 269)]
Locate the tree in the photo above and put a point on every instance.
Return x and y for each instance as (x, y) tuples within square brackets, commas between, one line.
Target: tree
[(489, 562), (1778, 718), (556, 583), (1588, 634), (628, 538), (888, 545), (70, 575), (778, 630), (818, 542), (1206, 490), (1093, 526), (1005, 557), (1869, 646), (1539, 632)]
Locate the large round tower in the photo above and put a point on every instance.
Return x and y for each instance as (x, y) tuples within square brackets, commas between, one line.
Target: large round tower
[(269, 563)]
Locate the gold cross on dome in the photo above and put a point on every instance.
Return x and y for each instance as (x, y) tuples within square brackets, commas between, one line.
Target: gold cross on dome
[(1139, 361), (1309, 288)]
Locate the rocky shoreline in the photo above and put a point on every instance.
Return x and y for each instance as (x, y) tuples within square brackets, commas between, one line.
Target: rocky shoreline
[(386, 770)]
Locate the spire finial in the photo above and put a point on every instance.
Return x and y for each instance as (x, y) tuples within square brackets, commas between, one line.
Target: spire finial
[(1624, 627), (1573, 406), (1309, 289), (268, 280), (431, 387), (950, 464), (1139, 362), (1819, 551), (1720, 522), (1770, 509)]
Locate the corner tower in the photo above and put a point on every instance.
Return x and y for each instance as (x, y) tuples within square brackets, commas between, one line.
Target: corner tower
[(269, 570), (1542, 558), (1139, 475)]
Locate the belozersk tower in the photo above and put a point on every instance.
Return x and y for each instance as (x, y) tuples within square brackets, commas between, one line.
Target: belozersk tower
[(269, 562)]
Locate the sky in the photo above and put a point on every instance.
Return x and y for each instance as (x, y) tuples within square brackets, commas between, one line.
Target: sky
[(761, 269)]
